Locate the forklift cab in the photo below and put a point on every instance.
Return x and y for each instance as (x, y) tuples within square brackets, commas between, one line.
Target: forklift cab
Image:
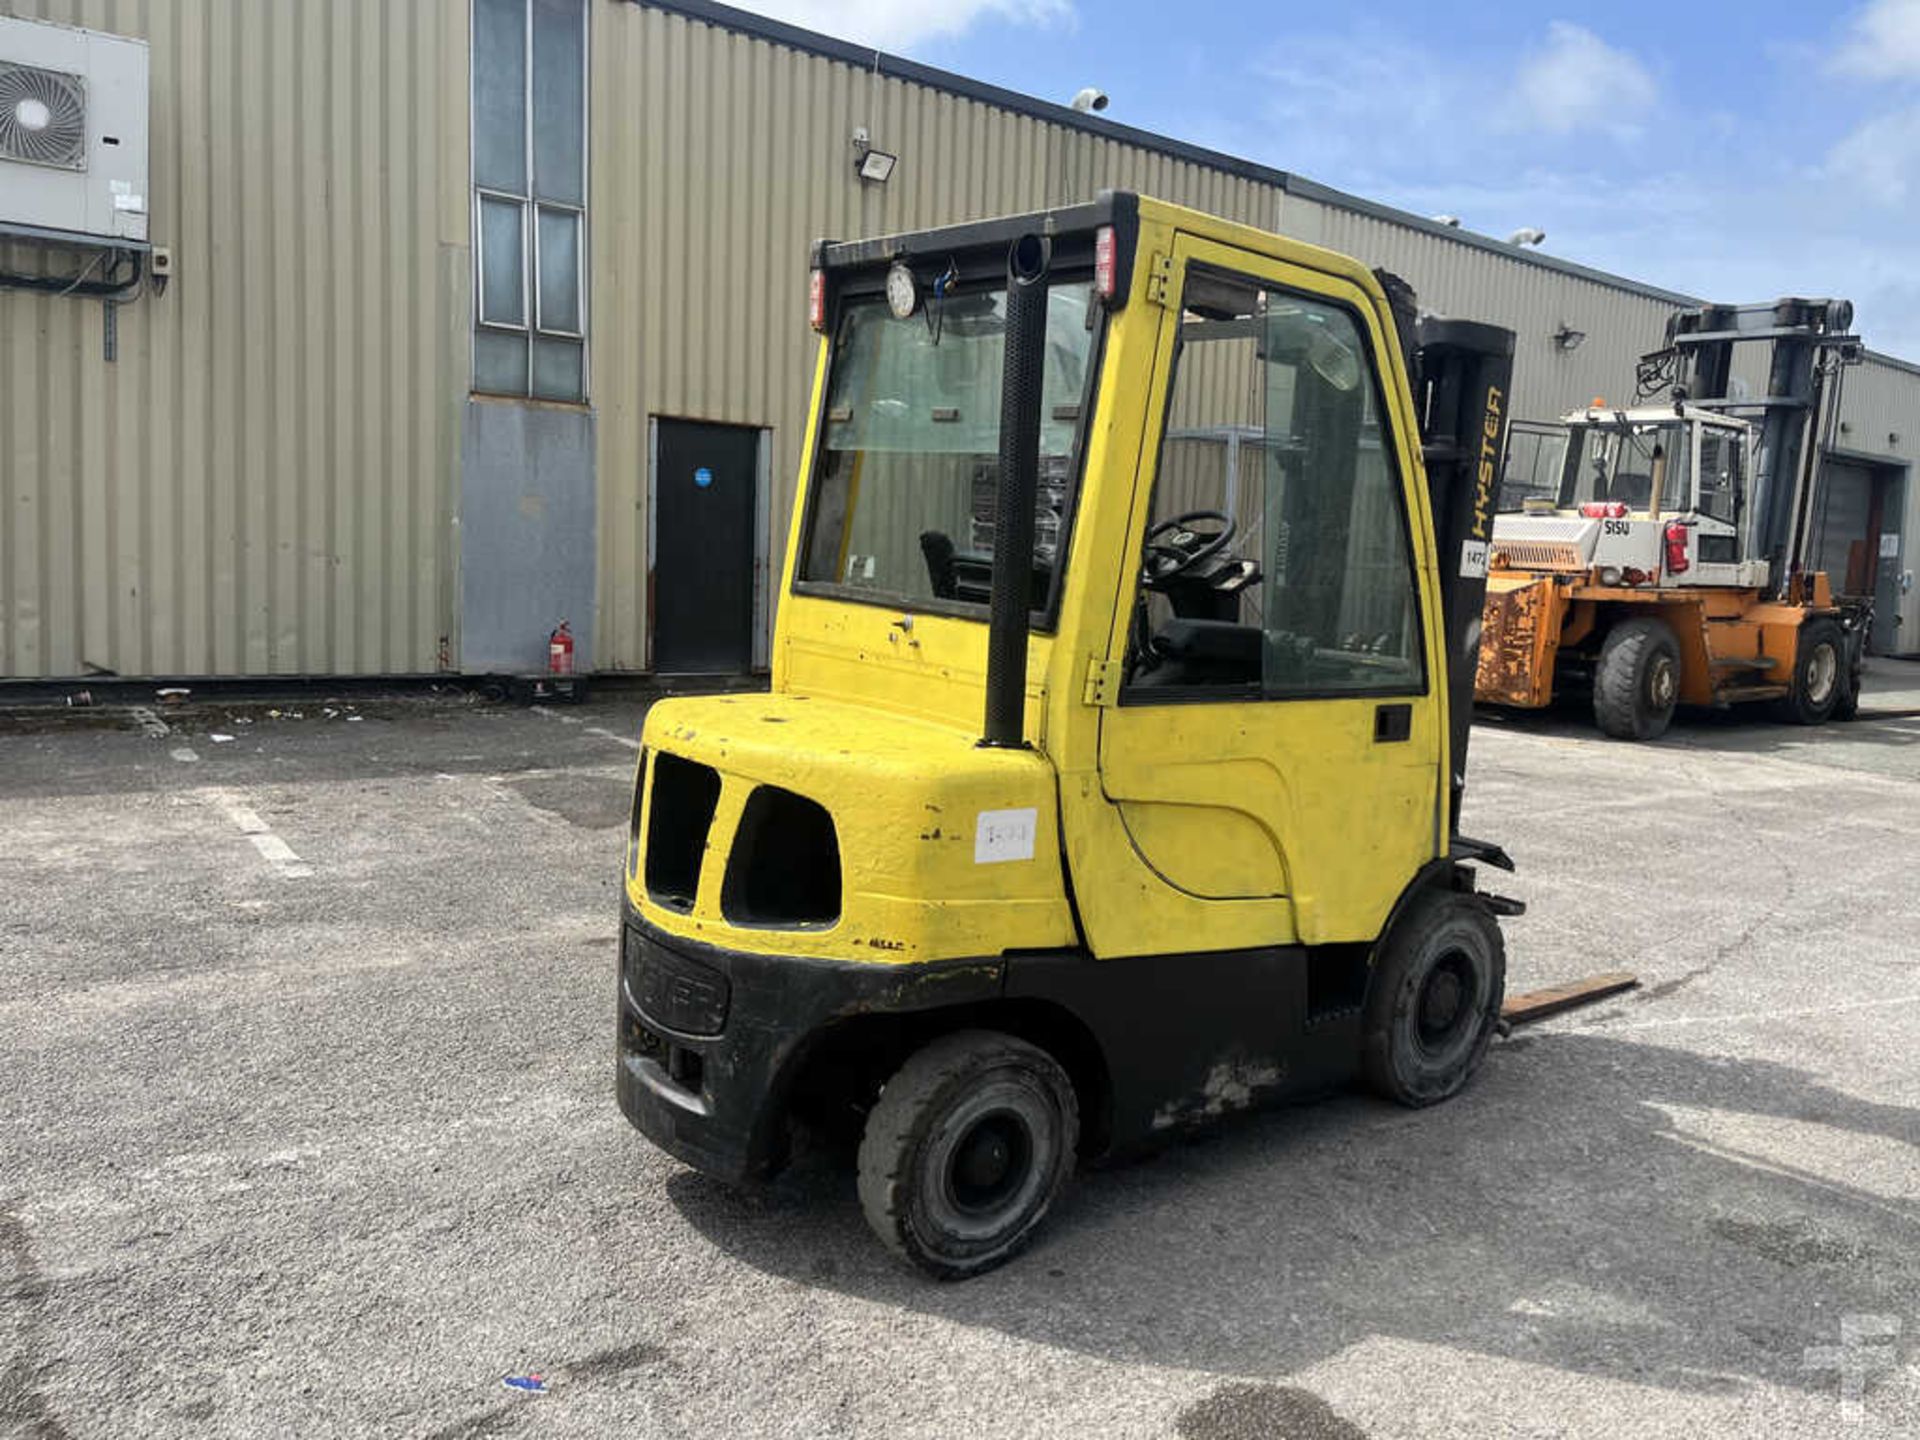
[(1656, 490), (1110, 772)]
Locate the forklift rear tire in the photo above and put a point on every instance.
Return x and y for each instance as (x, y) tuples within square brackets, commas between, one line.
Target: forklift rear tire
[(969, 1145), (1637, 682), (1820, 674), (1438, 983)]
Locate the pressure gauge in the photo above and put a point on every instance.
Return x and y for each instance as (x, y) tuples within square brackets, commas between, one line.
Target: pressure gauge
[(902, 293)]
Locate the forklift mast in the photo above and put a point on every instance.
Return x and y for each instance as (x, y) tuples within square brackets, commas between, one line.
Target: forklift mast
[(1810, 346), (1461, 372)]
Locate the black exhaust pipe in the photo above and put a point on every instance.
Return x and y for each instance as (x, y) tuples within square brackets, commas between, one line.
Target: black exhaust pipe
[(1026, 333)]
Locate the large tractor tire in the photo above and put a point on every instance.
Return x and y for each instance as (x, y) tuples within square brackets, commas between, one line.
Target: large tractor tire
[(1820, 674), (1438, 983), (970, 1144), (1637, 682)]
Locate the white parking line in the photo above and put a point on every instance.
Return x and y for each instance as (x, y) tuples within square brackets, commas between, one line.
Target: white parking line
[(627, 741), (545, 714), (275, 851)]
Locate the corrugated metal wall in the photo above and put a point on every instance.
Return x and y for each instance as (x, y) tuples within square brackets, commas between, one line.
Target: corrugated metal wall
[(263, 481), (718, 157), (1880, 407), (1455, 278), (267, 479)]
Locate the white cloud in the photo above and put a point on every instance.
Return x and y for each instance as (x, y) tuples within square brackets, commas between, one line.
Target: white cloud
[(1579, 82), (1881, 159), (1883, 43), (893, 25)]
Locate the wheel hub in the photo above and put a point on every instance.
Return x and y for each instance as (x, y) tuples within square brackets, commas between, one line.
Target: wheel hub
[(984, 1162), (1446, 1002), (1661, 684), (990, 1163), (1441, 1004)]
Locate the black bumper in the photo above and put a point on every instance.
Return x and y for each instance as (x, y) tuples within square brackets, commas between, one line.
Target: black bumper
[(709, 1040)]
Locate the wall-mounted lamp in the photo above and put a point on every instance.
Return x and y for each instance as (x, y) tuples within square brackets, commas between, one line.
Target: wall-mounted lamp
[(1568, 338), (870, 164)]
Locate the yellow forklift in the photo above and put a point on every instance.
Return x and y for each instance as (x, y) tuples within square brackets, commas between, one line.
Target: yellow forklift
[(1111, 772)]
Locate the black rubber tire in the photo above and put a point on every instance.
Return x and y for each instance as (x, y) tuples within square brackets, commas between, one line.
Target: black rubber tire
[(1403, 1056), (1820, 671), (1846, 705), (1636, 683), (947, 1093)]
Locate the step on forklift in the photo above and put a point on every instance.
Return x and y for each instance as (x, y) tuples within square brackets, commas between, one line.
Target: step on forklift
[(1104, 787), (1658, 554)]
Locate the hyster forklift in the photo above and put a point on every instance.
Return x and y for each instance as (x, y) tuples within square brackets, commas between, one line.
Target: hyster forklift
[(1656, 554), (1111, 773)]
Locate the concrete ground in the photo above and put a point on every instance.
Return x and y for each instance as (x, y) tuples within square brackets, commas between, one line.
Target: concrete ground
[(305, 1050)]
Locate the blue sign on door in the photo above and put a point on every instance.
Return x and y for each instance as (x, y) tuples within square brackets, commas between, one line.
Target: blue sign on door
[(703, 477)]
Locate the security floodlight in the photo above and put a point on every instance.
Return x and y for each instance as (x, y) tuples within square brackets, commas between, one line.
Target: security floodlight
[(877, 166), (1527, 238), (1568, 338), (1091, 98), (1452, 222)]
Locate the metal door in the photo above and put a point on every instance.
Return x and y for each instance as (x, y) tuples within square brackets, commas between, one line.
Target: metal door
[(705, 497), (1893, 573)]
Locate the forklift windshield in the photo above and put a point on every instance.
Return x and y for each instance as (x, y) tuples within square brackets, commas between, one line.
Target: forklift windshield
[(903, 497), (1630, 462)]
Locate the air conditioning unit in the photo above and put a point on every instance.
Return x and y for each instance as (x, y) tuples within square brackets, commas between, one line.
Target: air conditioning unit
[(73, 132)]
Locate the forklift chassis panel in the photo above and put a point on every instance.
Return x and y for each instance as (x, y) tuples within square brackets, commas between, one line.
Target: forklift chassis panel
[(1176, 1040)]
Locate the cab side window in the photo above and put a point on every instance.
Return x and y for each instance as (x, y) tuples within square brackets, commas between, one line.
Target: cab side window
[(1277, 562), (1722, 474)]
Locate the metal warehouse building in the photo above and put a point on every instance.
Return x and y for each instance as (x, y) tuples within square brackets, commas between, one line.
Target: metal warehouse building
[(428, 325)]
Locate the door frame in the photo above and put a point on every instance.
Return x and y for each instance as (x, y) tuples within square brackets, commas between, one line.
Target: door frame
[(762, 504)]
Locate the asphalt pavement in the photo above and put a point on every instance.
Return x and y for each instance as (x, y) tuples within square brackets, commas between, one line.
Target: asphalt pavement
[(308, 1129)]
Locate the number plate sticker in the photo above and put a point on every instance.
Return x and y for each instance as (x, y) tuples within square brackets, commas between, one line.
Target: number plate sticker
[(1473, 560), (1000, 835)]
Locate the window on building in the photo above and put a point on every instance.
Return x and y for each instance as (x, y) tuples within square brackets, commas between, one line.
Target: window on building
[(1277, 559), (530, 198)]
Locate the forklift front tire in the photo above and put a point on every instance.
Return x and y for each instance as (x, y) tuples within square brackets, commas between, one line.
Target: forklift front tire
[(1821, 674), (970, 1143), (1637, 681), (1435, 999)]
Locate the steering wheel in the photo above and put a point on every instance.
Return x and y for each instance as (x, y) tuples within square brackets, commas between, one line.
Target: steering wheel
[(1172, 549)]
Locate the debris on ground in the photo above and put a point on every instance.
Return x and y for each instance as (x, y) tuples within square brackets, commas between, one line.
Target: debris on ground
[(526, 1384)]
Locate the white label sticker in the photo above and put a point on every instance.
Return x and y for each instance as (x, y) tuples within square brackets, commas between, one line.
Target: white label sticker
[(1004, 835), (119, 187), (1473, 560), (129, 202), (1889, 544)]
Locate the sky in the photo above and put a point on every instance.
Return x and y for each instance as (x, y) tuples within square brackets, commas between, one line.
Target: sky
[(1735, 151)]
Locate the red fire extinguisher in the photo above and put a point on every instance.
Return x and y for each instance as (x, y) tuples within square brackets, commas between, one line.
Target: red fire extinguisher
[(560, 651)]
